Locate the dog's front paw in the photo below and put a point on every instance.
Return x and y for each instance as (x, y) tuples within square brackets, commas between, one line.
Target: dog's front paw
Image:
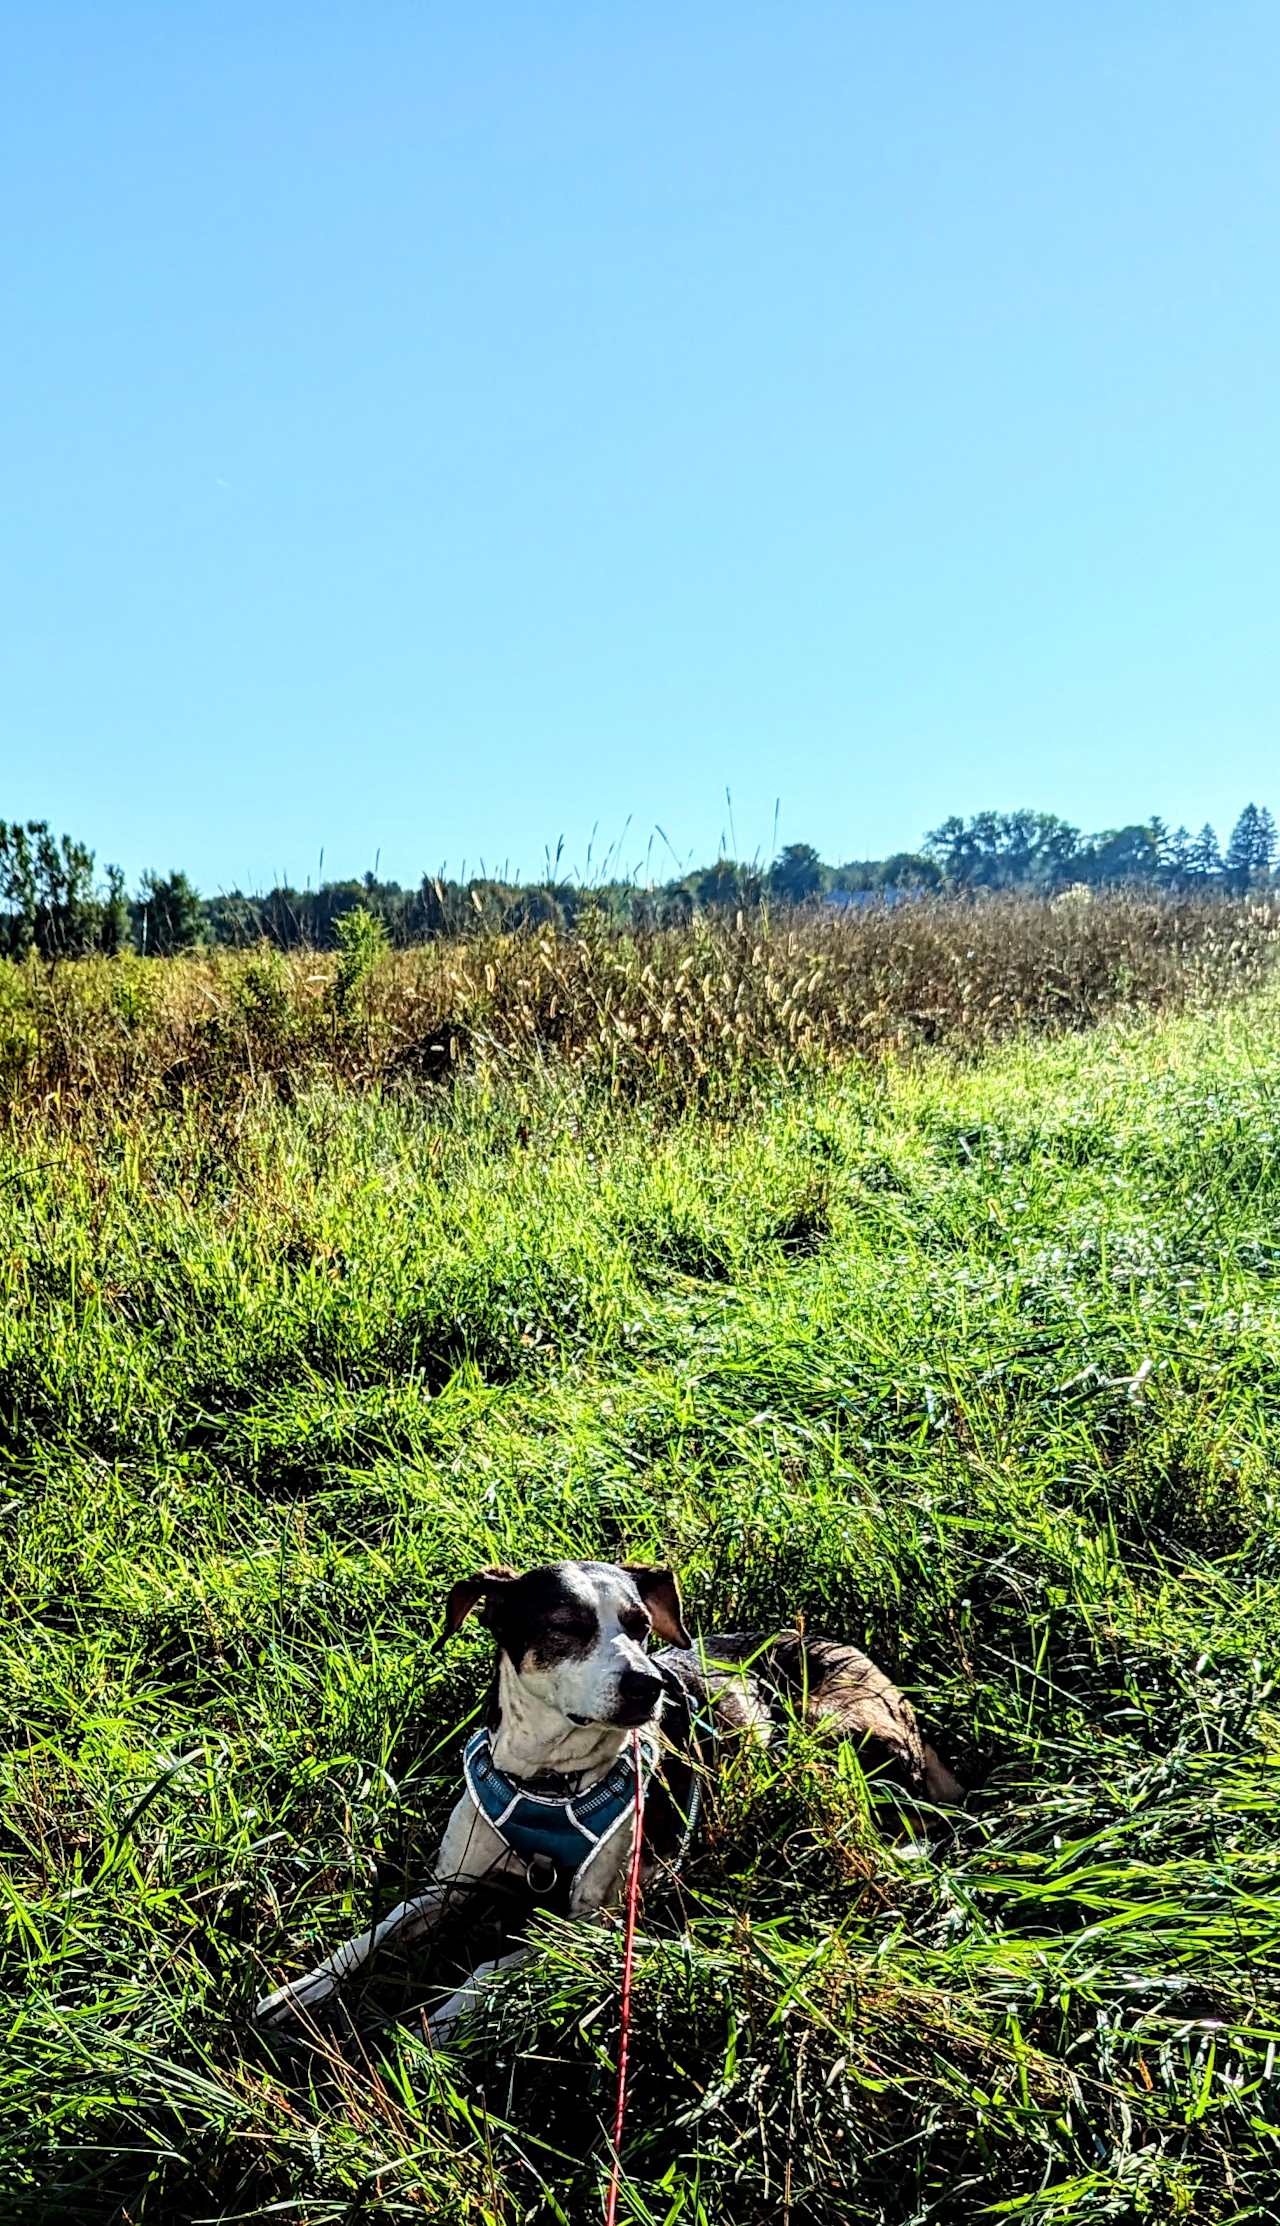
[(295, 2003)]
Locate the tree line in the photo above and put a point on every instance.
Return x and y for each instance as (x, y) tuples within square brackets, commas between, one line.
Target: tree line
[(54, 904)]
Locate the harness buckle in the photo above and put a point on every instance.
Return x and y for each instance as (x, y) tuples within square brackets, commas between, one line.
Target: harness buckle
[(541, 1874)]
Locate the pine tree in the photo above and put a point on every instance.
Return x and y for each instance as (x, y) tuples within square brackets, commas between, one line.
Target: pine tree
[(1205, 858), (1252, 846), (1175, 857)]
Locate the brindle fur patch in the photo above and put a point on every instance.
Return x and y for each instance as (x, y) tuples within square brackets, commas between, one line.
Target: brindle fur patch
[(738, 1673)]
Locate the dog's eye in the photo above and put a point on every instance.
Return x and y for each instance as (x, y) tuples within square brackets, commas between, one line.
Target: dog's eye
[(635, 1623)]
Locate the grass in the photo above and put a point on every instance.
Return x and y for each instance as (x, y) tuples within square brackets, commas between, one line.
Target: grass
[(713, 1012), (974, 1365)]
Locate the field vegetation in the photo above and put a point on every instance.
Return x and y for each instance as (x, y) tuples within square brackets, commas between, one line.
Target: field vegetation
[(714, 1011), (914, 1274)]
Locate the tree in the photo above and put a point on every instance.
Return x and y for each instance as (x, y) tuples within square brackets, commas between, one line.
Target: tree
[(48, 902), (531, 907), (1013, 846), (68, 914), (726, 886), (1175, 857), (1123, 854), (1205, 858), (114, 934), (980, 857), (436, 908), (17, 889), (1006, 850), (1252, 848), (906, 869), (948, 844), (796, 875), (1057, 851), (172, 916)]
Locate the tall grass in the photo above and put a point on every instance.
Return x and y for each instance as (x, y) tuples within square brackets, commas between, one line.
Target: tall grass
[(708, 1012), (976, 1365)]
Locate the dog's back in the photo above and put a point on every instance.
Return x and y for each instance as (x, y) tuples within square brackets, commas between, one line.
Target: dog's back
[(738, 1675)]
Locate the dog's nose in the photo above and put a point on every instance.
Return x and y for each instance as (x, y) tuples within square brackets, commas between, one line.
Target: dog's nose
[(638, 1691)]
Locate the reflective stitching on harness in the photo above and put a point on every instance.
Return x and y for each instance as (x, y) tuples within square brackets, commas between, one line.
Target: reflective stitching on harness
[(565, 1830)]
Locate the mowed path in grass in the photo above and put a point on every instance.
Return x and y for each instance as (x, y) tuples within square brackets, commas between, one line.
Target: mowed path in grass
[(977, 1367)]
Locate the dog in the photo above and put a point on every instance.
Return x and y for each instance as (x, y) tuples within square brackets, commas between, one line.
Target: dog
[(577, 1711)]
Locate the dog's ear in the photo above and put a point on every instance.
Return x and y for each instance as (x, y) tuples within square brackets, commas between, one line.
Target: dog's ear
[(661, 1595), (466, 1595)]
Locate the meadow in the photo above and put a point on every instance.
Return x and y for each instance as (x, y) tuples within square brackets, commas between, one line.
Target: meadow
[(708, 1013), (945, 1319)]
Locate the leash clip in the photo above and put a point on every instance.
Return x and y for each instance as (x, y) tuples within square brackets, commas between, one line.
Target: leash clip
[(541, 1875)]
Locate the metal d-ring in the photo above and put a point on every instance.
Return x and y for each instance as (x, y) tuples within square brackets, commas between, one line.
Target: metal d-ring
[(541, 1874)]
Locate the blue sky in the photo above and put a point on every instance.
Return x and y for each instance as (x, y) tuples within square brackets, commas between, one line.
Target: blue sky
[(436, 430)]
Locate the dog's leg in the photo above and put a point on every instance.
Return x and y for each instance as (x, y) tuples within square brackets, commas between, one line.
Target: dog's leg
[(441, 2022), (940, 1783), (469, 1851), (408, 1921), (597, 1891)]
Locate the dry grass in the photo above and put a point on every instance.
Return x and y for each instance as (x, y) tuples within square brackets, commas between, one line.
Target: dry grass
[(705, 1013)]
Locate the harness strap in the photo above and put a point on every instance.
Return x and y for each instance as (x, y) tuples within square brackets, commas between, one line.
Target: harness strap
[(555, 1836)]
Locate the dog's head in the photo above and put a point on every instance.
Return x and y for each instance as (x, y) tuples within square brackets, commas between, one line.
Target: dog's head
[(574, 1633)]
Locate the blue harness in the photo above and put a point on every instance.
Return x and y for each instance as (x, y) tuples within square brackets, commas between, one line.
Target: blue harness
[(554, 1835)]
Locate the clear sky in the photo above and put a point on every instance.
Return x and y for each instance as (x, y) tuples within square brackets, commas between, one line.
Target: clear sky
[(438, 429)]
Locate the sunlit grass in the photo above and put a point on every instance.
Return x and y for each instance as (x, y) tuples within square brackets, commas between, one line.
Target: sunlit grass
[(976, 1367)]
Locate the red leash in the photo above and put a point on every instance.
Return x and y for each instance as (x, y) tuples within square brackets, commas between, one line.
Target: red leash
[(628, 1957)]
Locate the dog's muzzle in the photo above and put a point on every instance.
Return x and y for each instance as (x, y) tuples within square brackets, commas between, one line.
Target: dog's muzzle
[(639, 1692)]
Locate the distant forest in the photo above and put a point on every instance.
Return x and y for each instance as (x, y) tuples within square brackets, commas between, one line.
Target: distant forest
[(53, 901)]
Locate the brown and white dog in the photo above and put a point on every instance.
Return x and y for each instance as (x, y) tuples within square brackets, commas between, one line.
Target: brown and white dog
[(574, 1694)]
